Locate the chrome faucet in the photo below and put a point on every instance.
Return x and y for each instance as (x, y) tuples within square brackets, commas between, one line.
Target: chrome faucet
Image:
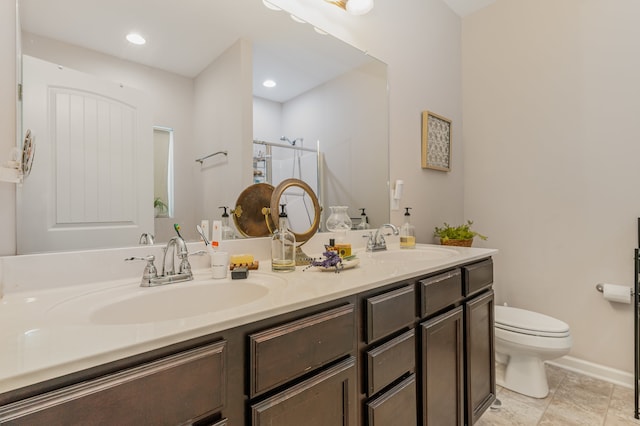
[(178, 247), (376, 241), (146, 239), (150, 277)]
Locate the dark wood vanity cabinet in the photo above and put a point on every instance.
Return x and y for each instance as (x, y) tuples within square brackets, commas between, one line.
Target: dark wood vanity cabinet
[(416, 352), (457, 360)]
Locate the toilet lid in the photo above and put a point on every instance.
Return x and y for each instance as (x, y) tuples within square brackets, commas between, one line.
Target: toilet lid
[(523, 321)]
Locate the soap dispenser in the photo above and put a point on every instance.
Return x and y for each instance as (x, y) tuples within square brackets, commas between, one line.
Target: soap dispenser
[(227, 231), (407, 232), (364, 221), (283, 246)]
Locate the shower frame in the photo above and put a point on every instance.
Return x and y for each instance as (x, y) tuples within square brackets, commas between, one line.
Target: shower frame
[(268, 152), (320, 162)]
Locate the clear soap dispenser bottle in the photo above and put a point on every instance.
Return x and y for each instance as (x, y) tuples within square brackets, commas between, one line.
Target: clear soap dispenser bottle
[(407, 232), (283, 246), (227, 231), (364, 221)]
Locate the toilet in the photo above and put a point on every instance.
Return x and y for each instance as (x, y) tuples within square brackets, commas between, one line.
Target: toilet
[(525, 340)]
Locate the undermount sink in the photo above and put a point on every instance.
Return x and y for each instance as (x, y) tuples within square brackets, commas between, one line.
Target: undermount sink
[(137, 305), (417, 254)]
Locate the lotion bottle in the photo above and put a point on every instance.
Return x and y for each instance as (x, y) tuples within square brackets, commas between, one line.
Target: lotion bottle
[(407, 232), (283, 246)]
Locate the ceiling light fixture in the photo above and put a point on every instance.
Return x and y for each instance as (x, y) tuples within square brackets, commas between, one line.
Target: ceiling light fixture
[(135, 38), (270, 5), (354, 7), (269, 83)]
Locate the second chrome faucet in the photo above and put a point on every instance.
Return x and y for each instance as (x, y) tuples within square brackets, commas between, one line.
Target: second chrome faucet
[(376, 242)]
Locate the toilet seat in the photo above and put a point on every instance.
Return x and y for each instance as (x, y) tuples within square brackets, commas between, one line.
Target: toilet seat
[(532, 323)]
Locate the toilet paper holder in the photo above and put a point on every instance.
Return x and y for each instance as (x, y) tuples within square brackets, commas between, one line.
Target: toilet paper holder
[(600, 288)]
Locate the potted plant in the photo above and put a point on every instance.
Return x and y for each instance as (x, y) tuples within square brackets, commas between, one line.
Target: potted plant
[(160, 207), (461, 235)]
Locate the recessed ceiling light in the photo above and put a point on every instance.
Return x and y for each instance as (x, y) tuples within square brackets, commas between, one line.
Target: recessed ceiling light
[(295, 18), (136, 39), (269, 83), (319, 31)]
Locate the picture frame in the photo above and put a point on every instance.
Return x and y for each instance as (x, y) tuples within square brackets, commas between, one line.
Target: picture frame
[(436, 142)]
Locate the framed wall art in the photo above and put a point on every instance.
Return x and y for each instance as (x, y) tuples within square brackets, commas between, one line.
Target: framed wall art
[(436, 142)]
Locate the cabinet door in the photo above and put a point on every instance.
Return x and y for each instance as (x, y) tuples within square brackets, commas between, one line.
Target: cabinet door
[(442, 369), (326, 399), (480, 364)]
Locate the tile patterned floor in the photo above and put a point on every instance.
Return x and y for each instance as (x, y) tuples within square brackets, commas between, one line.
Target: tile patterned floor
[(573, 399)]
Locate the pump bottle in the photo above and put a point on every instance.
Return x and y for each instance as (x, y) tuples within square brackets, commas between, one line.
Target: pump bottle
[(227, 231), (407, 232), (364, 221), (283, 246)]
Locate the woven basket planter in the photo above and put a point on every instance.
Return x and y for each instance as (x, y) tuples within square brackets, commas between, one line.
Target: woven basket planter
[(459, 243)]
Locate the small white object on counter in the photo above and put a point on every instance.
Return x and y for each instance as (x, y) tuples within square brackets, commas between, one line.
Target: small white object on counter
[(219, 264)]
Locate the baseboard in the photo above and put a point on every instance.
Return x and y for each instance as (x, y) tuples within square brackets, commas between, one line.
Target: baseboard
[(608, 374)]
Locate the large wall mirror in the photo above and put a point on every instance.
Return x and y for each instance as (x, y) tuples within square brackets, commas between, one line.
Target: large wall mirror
[(92, 99)]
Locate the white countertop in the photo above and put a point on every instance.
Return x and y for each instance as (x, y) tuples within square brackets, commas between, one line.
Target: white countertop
[(47, 333)]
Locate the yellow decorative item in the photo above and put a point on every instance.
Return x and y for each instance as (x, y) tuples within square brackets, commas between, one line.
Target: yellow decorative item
[(344, 249), (246, 260), (242, 258)]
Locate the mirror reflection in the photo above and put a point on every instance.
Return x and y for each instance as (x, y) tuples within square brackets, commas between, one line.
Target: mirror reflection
[(200, 74), (162, 171)]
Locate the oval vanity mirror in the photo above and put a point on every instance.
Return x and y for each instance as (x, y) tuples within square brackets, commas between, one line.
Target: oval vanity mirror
[(303, 209)]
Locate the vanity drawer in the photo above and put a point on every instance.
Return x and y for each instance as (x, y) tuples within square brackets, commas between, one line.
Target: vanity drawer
[(389, 312), (478, 276), (283, 353), (389, 361), (172, 390), (395, 407), (440, 291)]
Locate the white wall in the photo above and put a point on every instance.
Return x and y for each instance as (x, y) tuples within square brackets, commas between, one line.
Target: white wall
[(551, 106), (348, 115), (267, 120), (223, 99)]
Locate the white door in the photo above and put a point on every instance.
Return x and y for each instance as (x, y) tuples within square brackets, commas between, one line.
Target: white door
[(91, 184)]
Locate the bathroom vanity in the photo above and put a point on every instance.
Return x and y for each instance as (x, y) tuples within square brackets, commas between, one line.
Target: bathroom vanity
[(405, 338)]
